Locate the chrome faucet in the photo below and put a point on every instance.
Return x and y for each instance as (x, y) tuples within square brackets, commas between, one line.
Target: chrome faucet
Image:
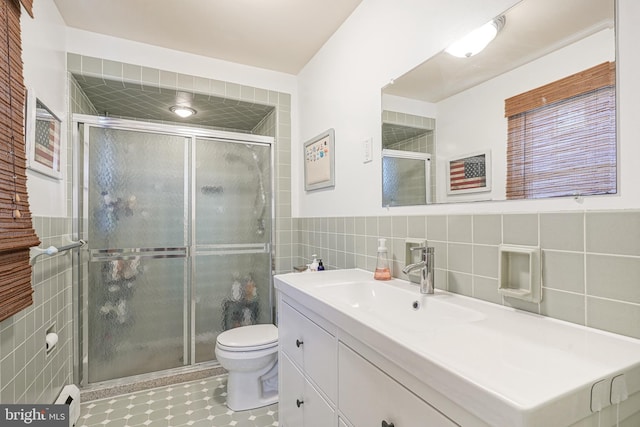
[(426, 268)]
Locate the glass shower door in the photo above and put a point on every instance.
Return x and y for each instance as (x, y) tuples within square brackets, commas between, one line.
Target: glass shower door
[(232, 235), (137, 212)]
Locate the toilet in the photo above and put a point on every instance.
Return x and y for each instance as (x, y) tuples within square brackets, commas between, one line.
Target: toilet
[(250, 356)]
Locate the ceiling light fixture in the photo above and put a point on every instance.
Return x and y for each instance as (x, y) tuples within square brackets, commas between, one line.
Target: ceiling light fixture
[(477, 40), (182, 111)]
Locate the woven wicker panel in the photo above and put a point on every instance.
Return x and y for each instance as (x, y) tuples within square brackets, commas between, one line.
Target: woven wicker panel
[(562, 137), (16, 229)]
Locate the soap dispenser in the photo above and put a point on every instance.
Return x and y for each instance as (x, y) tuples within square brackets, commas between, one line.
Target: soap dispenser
[(314, 264), (382, 264)]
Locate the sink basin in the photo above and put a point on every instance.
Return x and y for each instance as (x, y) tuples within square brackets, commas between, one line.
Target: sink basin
[(397, 305), (506, 366)]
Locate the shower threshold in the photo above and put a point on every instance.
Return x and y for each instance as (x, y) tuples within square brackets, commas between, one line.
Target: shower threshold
[(135, 383)]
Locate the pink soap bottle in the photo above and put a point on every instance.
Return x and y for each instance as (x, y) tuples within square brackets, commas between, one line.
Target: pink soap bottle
[(382, 264)]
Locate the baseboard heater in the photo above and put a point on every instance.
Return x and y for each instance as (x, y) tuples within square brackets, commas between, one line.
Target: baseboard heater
[(70, 395)]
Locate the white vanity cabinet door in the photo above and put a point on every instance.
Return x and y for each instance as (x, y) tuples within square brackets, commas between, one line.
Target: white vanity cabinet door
[(310, 347), (290, 391), (300, 405), (368, 397)]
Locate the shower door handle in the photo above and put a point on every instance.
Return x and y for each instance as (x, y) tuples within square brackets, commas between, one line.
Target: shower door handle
[(131, 253)]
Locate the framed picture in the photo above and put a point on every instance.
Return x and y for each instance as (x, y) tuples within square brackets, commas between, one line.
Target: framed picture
[(470, 173), (43, 137), (319, 161)]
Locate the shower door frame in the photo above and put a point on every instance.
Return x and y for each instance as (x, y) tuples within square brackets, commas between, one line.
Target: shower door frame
[(81, 126)]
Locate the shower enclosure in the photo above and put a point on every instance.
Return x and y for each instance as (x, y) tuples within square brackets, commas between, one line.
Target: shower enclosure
[(179, 227)]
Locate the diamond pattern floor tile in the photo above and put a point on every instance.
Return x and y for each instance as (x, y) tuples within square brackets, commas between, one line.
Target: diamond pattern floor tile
[(198, 403)]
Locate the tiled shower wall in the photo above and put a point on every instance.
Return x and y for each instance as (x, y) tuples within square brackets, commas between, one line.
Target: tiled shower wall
[(424, 143), (27, 373), (590, 260), (277, 124)]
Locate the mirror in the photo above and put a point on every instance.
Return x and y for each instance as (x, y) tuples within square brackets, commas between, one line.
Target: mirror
[(454, 108)]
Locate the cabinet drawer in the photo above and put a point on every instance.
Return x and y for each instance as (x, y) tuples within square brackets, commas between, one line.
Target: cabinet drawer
[(310, 347), (368, 396), (300, 404)]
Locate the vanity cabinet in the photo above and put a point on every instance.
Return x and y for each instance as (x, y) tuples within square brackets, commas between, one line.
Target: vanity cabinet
[(300, 402), (356, 352), (313, 394), (369, 397), (307, 365)]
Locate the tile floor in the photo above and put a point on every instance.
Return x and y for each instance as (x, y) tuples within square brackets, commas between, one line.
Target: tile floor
[(198, 403)]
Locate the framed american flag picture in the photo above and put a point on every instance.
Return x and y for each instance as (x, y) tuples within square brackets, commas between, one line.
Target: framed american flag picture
[(470, 173), (43, 131)]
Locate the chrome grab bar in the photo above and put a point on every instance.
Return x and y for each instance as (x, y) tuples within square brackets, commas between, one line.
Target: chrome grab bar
[(36, 251)]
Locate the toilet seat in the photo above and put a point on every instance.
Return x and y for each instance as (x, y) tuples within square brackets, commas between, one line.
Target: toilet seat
[(248, 338)]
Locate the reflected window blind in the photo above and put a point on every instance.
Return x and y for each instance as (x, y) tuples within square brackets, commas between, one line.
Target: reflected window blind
[(16, 229), (562, 137)]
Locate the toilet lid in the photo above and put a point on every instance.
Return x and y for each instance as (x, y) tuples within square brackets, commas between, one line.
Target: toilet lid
[(249, 337)]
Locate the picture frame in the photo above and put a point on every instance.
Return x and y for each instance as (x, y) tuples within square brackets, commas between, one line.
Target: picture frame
[(319, 161), (469, 173), (43, 134)]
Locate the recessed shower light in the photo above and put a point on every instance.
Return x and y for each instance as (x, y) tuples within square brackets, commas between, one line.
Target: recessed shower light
[(182, 111)]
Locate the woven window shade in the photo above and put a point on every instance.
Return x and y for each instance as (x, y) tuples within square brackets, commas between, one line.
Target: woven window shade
[(28, 6), (562, 137), (16, 229)]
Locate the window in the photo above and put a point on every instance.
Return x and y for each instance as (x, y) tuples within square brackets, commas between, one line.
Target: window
[(16, 230), (562, 137)]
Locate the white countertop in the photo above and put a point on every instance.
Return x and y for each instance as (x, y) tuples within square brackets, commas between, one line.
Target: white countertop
[(485, 357)]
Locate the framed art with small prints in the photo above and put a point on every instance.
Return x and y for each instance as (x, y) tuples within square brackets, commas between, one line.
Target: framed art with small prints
[(319, 161)]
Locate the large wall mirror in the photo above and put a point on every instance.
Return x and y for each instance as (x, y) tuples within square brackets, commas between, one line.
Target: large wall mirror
[(469, 114)]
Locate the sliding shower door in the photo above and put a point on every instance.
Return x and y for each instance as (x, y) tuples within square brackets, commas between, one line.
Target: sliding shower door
[(231, 239), (179, 230), (138, 237)]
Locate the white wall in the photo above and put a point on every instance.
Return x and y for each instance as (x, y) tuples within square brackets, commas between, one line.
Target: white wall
[(44, 57), (115, 49), (46, 40), (340, 88)]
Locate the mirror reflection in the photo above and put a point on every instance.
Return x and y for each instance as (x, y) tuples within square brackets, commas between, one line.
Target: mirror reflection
[(522, 118)]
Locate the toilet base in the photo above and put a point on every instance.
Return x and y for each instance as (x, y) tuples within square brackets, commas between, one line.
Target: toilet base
[(246, 390)]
